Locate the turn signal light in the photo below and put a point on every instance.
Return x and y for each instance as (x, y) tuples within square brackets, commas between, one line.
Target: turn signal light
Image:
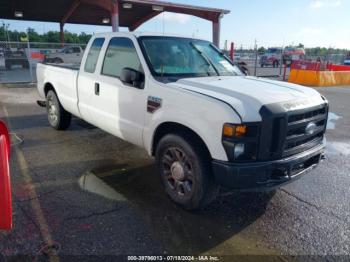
[(234, 130)]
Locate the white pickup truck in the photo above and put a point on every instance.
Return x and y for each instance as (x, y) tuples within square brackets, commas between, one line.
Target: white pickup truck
[(181, 99), (69, 55)]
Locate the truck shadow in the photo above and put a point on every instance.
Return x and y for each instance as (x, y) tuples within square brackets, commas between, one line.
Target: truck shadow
[(181, 231)]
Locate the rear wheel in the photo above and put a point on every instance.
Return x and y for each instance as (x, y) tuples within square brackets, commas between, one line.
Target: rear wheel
[(58, 118), (185, 171)]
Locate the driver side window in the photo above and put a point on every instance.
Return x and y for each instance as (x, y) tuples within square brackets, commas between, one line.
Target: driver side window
[(121, 53)]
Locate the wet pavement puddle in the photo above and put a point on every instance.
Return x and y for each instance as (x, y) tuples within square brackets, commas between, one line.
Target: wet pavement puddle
[(332, 119), (217, 228), (15, 139), (91, 183), (338, 148)]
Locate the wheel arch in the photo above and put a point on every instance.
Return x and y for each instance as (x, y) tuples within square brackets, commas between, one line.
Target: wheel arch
[(47, 87), (179, 129)]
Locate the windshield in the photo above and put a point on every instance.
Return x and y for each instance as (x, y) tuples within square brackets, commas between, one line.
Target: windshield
[(182, 57)]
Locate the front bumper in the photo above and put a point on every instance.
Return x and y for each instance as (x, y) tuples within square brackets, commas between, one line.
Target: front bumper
[(265, 176)]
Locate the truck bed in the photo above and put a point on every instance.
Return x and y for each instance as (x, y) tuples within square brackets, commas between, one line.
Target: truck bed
[(64, 78), (64, 65)]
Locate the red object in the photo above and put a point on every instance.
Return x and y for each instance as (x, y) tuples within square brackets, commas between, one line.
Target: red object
[(318, 66), (332, 67), (306, 65), (37, 55), (5, 184), (232, 50)]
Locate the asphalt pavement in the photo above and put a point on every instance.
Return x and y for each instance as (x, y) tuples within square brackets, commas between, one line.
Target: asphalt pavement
[(84, 192)]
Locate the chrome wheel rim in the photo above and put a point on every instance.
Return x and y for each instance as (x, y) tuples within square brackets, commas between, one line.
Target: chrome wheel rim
[(52, 111), (178, 171)]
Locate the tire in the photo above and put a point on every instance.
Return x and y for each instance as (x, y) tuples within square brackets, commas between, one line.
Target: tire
[(57, 60), (58, 118), (185, 171)]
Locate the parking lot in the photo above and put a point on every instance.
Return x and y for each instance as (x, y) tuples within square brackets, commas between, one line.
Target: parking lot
[(85, 192)]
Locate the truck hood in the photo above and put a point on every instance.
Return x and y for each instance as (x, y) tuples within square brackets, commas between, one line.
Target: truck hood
[(248, 94)]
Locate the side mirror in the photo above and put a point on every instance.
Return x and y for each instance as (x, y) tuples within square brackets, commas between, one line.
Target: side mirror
[(244, 68), (132, 77), (5, 184)]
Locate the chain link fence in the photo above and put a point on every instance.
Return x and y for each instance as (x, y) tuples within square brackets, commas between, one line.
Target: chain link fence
[(275, 62), (18, 60)]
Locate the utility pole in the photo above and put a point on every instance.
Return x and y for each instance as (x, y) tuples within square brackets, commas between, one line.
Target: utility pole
[(256, 56), (6, 26), (29, 56)]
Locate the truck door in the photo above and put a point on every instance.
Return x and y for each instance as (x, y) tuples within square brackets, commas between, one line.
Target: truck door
[(116, 107), (86, 79)]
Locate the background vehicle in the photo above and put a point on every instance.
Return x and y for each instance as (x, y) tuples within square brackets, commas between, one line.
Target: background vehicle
[(18, 57), (347, 60), (272, 57), (69, 55), (204, 121), (291, 54)]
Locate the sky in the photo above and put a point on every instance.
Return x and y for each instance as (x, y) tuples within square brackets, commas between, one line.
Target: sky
[(324, 23)]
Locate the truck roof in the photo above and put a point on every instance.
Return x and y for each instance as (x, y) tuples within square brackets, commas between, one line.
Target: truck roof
[(139, 34)]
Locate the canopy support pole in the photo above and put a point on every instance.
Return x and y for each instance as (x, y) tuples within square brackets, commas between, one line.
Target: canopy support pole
[(115, 16), (216, 31), (62, 34)]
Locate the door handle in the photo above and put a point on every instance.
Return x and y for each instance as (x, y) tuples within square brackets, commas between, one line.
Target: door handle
[(97, 89)]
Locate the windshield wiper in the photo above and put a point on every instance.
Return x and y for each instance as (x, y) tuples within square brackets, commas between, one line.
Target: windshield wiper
[(206, 58)]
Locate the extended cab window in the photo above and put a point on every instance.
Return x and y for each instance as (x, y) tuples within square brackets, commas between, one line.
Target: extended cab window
[(121, 53), (92, 57)]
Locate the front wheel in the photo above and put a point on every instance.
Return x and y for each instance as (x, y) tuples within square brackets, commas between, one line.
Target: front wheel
[(58, 118), (185, 171)]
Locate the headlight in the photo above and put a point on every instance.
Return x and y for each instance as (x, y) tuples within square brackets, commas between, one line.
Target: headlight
[(230, 130), (241, 141), (238, 151)]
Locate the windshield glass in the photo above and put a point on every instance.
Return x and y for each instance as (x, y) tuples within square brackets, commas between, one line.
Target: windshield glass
[(182, 57)]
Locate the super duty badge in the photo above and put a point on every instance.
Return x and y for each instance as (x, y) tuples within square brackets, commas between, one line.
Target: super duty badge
[(153, 103)]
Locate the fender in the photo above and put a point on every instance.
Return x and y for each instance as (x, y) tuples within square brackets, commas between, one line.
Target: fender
[(199, 125)]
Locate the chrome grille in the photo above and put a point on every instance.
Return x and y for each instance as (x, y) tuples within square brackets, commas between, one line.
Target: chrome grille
[(297, 137)]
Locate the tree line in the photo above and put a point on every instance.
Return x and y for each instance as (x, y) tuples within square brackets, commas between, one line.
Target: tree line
[(48, 37), (83, 38)]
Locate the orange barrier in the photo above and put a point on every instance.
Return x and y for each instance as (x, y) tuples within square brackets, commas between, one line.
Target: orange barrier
[(319, 78)]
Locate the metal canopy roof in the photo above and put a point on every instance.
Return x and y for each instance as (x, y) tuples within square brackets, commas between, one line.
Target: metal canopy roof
[(94, 11)]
